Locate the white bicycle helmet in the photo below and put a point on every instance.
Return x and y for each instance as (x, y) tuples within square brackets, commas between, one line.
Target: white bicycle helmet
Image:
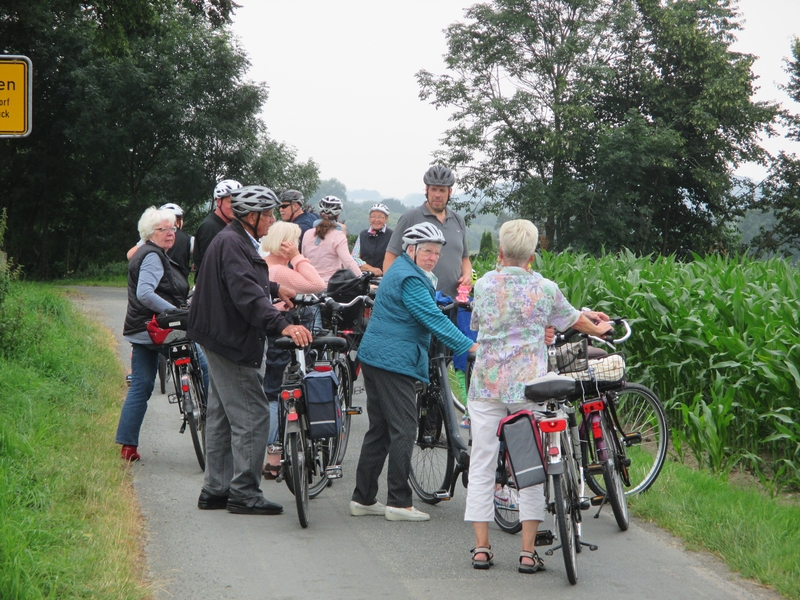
[(330, 205), (422, 233), (173, 207), (439, 175), (225, 187), (380, 208), (253, 198)]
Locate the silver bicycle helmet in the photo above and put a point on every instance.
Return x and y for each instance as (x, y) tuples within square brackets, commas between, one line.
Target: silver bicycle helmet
[(439, 175), (225, 187), (291, 197), (330, 205), (380, 208), (422, 233), (253, 198), (173, 207)]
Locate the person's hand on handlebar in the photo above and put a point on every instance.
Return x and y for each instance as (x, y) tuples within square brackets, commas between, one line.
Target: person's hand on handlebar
[(474, 348), (287, 294), (585, 325), (549, 335), (596, 316), (299, 334)]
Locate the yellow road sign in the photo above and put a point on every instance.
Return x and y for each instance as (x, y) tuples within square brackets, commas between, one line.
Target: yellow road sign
[(16, 79)]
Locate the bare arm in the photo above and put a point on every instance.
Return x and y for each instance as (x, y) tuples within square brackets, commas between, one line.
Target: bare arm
[(388, 259), (584, 325)]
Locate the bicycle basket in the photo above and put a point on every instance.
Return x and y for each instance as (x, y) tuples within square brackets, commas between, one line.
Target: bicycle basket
[(607, 371), (344, 286), (163, 335), (570, 357)]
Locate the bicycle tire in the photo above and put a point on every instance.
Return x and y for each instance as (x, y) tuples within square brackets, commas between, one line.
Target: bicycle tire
[(345, 377), (194, 413), (639, 410), (566, 528), (612, 476), (432, 460), (299, 470), (162, 373), (506, 515)]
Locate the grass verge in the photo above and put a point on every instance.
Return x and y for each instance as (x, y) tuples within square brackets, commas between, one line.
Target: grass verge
[(69, 522), (757, 536)]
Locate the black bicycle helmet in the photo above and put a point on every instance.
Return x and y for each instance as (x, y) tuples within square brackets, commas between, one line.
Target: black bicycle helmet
[(422, 233), (291, 197), (253, 198), (439, 175)]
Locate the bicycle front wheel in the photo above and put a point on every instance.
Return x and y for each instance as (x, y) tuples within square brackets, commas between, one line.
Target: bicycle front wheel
[(432, 459), (612, 476), (299, 470), (566, 528), (644, 435)]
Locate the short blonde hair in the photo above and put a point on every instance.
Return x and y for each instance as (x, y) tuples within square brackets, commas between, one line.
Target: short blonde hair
[(282, 231), (518, 240), (152, 218)]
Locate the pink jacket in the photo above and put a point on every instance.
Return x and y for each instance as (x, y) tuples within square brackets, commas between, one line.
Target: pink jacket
[(330, 255)]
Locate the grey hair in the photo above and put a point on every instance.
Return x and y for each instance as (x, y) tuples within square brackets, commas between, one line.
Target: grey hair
[(518, 240), (152, 218), (282, 231)]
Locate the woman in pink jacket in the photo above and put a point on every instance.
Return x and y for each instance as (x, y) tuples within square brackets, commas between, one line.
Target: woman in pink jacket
[(326, 245)]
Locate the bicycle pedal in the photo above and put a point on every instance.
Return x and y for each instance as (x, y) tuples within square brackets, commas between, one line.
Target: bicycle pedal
[(597, 500), (442, 495), (354, 410), (358, 390), (183, 427), (626, 462), (544, 538), (632, 438), (172, 398), (594, 469), (333, 472), (585, 504)]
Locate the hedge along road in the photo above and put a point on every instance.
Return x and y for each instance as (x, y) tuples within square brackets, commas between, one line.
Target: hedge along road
[(194, 554)]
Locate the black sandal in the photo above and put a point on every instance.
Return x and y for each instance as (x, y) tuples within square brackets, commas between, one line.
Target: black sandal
[(482, 564), (538, 563)]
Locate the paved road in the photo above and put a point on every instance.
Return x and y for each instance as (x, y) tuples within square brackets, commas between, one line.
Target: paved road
[(193, 554)]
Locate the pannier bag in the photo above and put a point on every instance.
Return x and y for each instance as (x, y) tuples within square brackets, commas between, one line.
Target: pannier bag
[(322, 403), (163, 334), (523, 446), (343, 286)]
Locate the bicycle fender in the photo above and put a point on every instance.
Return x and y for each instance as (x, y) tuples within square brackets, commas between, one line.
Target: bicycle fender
[(555, 468), (292, 426)]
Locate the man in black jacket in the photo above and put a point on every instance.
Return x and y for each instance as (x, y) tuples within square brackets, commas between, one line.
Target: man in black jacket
[(215, 221), (230, 317)]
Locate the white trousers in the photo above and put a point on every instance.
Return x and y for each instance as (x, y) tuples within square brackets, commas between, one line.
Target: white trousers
[(484, 420)]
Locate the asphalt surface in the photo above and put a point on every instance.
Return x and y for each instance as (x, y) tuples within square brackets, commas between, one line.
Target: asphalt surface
[(194, 554)]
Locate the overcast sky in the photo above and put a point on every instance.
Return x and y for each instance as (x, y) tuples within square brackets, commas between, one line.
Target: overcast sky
[(343, 91)]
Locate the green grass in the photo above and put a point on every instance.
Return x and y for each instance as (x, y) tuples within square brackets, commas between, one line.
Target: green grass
[(69, 522), (756, 535)]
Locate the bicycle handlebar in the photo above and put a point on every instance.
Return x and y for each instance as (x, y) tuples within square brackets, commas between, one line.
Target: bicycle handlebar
[(563, 336)]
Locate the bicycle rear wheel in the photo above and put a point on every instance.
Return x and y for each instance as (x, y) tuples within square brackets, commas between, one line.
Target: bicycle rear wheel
[(566, 528), (299, 470), (194, 411), (345, 377), (321, 452), (612, 476), (162, 373), (645, 437), (432, 459)]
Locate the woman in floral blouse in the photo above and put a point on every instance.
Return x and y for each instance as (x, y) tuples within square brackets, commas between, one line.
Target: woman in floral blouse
[(513, 306)]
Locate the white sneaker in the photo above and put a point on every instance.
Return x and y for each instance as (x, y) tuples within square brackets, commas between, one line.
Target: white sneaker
[(361, 510), (405, 514)]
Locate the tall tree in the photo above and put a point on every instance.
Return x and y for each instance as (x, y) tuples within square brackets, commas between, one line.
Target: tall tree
[(610, 123)]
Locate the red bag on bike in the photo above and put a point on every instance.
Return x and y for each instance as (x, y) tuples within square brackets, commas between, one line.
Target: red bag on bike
[(523, 448)]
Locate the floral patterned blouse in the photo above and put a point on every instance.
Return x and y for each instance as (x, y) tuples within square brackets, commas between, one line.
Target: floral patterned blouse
[(512, 309)]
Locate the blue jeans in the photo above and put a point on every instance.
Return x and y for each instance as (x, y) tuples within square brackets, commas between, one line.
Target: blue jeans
[(144, 368)]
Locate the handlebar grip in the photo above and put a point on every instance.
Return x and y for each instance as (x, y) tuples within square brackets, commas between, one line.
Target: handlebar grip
[(332, 304)]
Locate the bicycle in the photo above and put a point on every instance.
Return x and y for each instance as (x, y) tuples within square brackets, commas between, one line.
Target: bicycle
[(307, 464), (439, 455), (183, 365)]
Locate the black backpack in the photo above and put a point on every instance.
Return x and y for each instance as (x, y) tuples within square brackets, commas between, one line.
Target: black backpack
[(344, 286)]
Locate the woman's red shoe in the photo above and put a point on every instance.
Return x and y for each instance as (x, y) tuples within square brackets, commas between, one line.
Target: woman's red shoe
[(130, 454)]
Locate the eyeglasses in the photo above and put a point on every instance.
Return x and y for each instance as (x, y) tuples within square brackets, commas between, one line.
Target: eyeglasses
[(166, 229)]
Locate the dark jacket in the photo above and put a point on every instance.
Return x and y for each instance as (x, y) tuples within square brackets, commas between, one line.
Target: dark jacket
[(305, 221), (232, 310), (173, 288), (181, 252), (207, 231), (373, 246)]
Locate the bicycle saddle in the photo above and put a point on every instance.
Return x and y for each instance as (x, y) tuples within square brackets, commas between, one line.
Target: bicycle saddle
[(326, 341), (549, 386)]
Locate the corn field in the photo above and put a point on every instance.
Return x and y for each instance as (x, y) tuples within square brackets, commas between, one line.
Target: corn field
[(718, 339)]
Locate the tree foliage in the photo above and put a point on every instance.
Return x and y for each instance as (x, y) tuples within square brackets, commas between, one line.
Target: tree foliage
[(135, 104), (611, 123)]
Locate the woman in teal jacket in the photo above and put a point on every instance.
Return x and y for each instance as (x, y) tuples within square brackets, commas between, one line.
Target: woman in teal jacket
[(394, 356)]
